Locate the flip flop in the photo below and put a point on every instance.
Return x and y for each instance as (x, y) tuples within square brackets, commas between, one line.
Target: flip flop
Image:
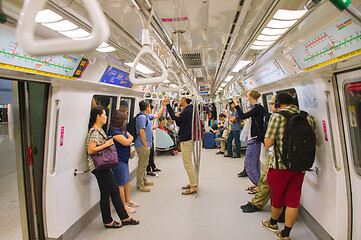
[(114, 225), (130, 222), (250, 188), (188, 192), (252, 192)]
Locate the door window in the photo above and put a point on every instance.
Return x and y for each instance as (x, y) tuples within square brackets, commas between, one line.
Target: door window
[(352, 93)]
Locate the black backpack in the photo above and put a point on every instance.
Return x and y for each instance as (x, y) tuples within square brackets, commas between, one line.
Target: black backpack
[(132, 126), (299, 143)]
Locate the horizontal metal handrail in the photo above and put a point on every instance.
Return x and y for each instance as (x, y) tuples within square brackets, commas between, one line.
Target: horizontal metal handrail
[(76, 171), (315, 170)]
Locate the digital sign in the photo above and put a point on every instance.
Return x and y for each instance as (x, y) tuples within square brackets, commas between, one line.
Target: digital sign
[(116, 77)]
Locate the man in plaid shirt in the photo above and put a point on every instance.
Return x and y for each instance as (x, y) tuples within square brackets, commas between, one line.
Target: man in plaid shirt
[(285, 185)]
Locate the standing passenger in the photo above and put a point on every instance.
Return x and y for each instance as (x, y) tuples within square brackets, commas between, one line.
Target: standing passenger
[(234, 134), (96, 141), (285, 185), (184, 121), (251, 161), (144, 142), (123, 140)]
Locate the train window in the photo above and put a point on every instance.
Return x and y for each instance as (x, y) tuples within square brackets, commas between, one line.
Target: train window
[(108, 103), (353, 102), (293, 93), (127, 105), (266, 97)]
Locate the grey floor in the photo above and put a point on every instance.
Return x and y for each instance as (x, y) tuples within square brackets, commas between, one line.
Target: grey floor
[(10, 224), (166, 214)]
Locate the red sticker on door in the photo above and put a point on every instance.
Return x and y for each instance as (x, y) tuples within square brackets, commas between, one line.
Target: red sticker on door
[(62, 136)]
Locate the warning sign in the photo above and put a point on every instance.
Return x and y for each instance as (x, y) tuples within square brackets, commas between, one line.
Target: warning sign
[(353, 87), (352, 115)]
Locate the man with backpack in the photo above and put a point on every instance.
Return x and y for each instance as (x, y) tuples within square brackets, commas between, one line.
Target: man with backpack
[(292, 133), (144, 141)]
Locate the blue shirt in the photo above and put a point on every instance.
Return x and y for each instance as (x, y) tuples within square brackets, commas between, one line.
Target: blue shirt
[(141, 122), (122, 151), (236, 126)]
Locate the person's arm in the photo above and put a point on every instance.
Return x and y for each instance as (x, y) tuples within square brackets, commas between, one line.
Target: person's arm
[(268, 142), (93, 148), (123, 140), (142, 136), (233, 119), (272, 129), (249, 114), (160, 112)]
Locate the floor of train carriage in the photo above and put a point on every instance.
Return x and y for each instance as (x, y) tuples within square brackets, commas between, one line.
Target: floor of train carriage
[(166, 214), (10, 223)]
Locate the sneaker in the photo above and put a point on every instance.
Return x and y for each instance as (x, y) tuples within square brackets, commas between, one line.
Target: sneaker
[(130, 210), (267, 225), (151, 174), (279, 236), (243, 174), (227, 155), (132, 204), (143, 189), (246, 205), (220, 152), (251, 208), (158, 169), (236, 156), (148, 183)]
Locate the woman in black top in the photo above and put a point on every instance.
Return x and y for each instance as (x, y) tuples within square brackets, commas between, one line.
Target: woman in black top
[(251, 161), (213, 114)]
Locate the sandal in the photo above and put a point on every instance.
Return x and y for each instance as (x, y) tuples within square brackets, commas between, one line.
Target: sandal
[(187, 187), (252, 192), (130, 222), (115, 224), (188, 192), (132, 204), (250, 188), (129, 210)]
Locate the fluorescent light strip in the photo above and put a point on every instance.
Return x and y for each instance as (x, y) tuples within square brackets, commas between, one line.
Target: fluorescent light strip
[(254, 47), (283, 14), (263, 43), (229, 78), (78, 33), (280, 23), (47, 16), (173, 85), (241, 64), (64, 25), (106, 49), (268, 38), (274, 31), (166, 81), (140, 67), (223, 84), (103, 45)]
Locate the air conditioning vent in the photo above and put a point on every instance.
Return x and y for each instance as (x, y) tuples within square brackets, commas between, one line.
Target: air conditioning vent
[(193, 59)]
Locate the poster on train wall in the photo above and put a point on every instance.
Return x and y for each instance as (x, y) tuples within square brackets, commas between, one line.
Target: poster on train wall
[(309, 94), (13, 57), (116, 77), (340, 40)]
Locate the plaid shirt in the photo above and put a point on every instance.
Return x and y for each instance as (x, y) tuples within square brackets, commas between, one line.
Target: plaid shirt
[(94, 136), (276, 131)]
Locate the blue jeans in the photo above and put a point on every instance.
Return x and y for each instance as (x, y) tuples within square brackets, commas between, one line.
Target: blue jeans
[(218, 135), (234, 134)]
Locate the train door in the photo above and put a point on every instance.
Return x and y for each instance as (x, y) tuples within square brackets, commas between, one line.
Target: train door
[(349, 87), (28, 120)]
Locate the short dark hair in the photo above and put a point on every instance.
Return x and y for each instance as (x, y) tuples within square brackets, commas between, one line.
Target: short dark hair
[(162, 118), (188, 100), (222, 115), (284, 98), (118, 119), (143, 105)]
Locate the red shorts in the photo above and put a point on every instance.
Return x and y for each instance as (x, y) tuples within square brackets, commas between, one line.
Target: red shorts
[(285, 187)]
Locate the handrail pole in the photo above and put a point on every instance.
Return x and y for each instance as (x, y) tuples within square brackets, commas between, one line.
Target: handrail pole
[(52, 171)]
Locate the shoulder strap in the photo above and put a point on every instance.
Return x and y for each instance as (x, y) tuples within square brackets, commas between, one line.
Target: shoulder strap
[(304, 114), (285, 114), (100, 134), (276, 148)]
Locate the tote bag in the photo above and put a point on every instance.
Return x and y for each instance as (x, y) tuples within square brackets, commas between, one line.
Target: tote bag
[(106, 158)]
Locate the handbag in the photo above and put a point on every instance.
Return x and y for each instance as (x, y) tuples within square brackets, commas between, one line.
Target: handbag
[(132, 152), (106, 158)]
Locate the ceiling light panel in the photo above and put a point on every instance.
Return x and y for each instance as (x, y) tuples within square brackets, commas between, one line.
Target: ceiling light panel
[(280, 23), (103, 45), (78, 33), (106, 49), (263, 43), (254, 47), (173, 85), (229, 78), (268, 37), (240, 65), (47, 16), (166, 81), (140, 67), (274, 31), (283, 14), (223, 84), (64, 25)]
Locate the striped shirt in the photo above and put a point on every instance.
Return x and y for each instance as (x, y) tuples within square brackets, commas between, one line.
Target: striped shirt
[(276, 131), (94, 136)]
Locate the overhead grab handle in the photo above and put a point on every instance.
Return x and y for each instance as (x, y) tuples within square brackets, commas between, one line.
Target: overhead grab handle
[(25, 31), (186, 92), (147, 50), (154, 96), (147, 95)]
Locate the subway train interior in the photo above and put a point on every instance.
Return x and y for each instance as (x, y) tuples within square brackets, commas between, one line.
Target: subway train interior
[(61, 58)]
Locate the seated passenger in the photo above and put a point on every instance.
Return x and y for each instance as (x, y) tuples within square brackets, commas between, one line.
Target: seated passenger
[(96, 141), (224, 128), (123, 140), (163, 126)]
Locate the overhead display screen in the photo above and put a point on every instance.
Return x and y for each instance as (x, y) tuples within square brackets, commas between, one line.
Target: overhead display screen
[(342, 39), (116, 77), (12, 54)]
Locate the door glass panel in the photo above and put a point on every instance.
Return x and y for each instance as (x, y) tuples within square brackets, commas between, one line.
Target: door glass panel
[(109, 105), (353, 102), (127, 105)]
